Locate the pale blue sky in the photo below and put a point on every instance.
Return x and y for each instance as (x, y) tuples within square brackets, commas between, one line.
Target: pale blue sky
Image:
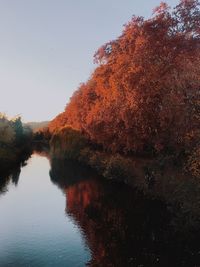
[(47, 47)]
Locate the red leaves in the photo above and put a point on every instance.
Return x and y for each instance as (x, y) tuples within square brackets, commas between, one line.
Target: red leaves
[(138, 96), (163, 8)]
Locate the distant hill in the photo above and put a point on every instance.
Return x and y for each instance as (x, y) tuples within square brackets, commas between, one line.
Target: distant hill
[(37, 125)]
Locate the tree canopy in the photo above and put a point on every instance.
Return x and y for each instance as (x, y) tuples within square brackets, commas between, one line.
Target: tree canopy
[(144, 92)]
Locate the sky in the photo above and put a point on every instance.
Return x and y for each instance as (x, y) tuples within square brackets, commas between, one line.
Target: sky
[(47, 48)]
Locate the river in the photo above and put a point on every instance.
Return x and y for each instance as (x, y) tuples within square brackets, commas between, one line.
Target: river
[(60, 214)]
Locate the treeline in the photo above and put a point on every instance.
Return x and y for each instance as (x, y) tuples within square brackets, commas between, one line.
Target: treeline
[(144, 93), (37, 126), (15, 141), (144, 96)]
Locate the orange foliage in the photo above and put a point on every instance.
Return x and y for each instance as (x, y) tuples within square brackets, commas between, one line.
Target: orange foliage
[(143, 91)]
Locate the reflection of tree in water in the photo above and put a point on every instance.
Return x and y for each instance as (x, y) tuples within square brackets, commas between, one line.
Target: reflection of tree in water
[(15, 176), (6, 178), (41, 149), (12, 173), (121, 226)]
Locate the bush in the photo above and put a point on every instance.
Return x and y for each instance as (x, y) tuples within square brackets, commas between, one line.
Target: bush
[(118, 167), (7, 131), (67, 143)]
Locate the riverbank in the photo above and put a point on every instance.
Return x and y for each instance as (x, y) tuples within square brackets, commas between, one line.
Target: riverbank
[(15, 142), (66, 215), (161, 177), (12, 156)]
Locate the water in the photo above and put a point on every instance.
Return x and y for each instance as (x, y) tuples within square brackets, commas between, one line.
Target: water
[(34, 228), (58, 213)]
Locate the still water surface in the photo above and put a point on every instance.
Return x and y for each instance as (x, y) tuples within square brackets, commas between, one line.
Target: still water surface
[(61, 214), (34, 227)]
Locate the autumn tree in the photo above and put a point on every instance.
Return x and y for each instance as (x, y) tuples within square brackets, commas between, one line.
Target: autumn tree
[(144, 93), (7, 133)]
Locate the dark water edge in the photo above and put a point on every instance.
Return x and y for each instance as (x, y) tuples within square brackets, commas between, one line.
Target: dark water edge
[(123, 226), (120, 225), (164, 176)]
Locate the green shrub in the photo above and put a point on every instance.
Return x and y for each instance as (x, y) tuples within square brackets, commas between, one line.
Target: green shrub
[(67, 143), (7, 131)]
